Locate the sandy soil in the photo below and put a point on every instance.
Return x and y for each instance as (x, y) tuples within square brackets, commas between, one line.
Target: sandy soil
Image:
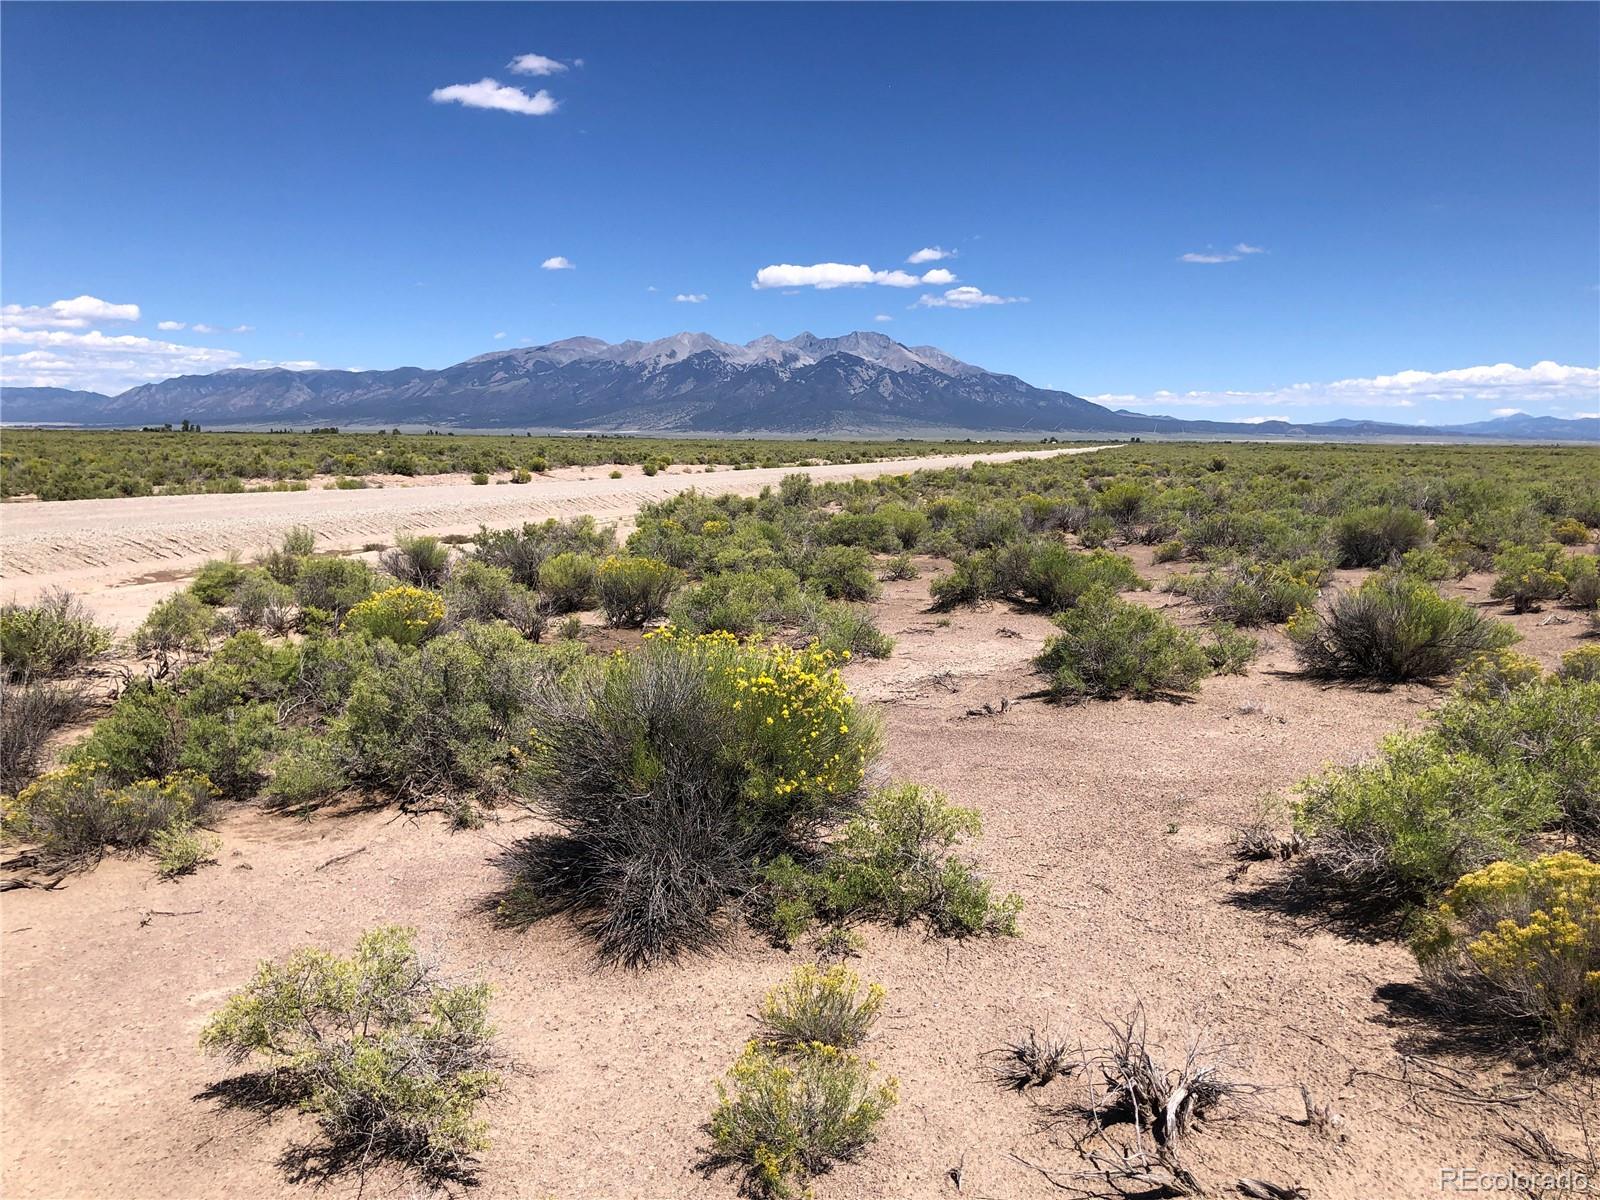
[(1112, 820), (125, 555)]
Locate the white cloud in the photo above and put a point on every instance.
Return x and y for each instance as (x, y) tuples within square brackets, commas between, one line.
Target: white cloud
[(1451, 396), (966, 297), (499, 336), (1505, 412), (1247, 248), (690, 298), (1264, 420), (883, 318), (930, 254), (824, 276), (1193, 257), (171, 326), (99, 361), (491, 93), (557, 262), (77, 313), (536, 64), (199, 327)]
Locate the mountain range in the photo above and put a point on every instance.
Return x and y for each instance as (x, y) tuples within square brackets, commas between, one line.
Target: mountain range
[(860, 383)]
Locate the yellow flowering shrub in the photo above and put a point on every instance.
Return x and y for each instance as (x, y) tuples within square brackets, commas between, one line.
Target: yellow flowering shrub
[(1530, 934), (77, 813), (406, 615), (785, 1116)]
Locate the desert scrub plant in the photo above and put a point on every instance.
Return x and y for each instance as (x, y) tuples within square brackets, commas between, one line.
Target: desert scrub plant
[(1521, 941), (30, 714), (785, 1117), (422, 562), (829, 1007), (843, 573), (1056, 577), (895, 861), (900, 567), (744, 603), (567, 580), (1394, 832), (1248, 593), (1371, 537), (634, 590), (406, 616), (1032, 1060), (333, 586), (479, 592), (261, 602), (51, 636), (74, 815), (181, 849), (1581, 665), (1227, 649), (524, 551), (846, 630), (672, 773), (391, 1059), (1392, 629), (1526, 576), (178, 624), (1108, 647), (216, 581), (283, 561), (1570, 531)]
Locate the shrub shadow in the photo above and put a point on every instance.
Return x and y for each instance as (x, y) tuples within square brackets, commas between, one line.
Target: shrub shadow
[(1304, 898)]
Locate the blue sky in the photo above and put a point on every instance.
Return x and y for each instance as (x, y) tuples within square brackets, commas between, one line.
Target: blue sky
[(1237, 211)]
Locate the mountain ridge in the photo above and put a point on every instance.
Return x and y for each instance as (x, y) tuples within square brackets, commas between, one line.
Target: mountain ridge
[(858, 382)]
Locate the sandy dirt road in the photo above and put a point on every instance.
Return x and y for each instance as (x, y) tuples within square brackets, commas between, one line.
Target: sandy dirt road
[(125, 555)]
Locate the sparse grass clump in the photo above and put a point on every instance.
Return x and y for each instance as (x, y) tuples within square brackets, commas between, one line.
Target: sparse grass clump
[(76, 814), (786, 1116), (1521, 942), (1392, 629), (52, 636), (1109, 647), (392, 1060), (1036, 1058), (180, 849)]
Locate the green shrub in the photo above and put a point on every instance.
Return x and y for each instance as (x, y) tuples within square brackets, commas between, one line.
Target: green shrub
[(334, 585), (1371, 537), (260, 601), (826, 1007), (1430, 563), (52, 636), (1108, 647), (1246, 593), (567, 581), (900, 567), (180, 623), (988, 574), (787, 1117), (138, 738), (634, 590), (1056, 576), (672, 774), (843, 573), (744, 603), (422, 562), (407, 616), (392, 1062), (181, 849), (846, 631), (283, 562), (308, 771), (1582, 574), (1520, 942), (1394, 832), (452, 716), (480, 592), (523, 552), (75, 814), (894, 862), (1393, 628), (1227, 649), (216, 580), (1570, 532), (479, 478), (1581, 665), (1526, 576)]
